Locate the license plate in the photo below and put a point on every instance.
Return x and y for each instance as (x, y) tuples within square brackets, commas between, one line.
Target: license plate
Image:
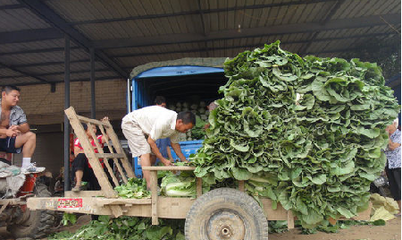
[(69, 203)]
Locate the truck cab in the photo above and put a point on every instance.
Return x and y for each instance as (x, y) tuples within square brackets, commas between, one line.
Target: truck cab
[(191, 81)]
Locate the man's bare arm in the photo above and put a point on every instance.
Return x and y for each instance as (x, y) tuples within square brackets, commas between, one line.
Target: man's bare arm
[(23, 128), (177, 150), (393, 145), (169, 153), (10, 132), (105, 137), (156, 151)]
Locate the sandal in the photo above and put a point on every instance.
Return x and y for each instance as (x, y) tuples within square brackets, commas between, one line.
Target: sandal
[(76, 189)]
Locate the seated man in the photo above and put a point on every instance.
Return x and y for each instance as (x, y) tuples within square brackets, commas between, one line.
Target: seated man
[(6, 157), (15, 135)]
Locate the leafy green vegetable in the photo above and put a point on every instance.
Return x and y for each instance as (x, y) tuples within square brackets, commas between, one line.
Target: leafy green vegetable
[(126, 228), (198, 131), (304, 132), (135, 188), (182, 185), (69, 217)]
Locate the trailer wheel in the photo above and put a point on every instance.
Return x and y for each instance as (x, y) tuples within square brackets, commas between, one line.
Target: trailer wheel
[(226, 214), (34, 224)]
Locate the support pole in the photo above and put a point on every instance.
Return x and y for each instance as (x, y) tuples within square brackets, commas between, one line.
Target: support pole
[(92, 59), (66, 105)]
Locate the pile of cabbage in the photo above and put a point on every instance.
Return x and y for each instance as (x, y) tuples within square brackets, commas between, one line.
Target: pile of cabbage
[(181, 184), (201, 112), (307, 133)]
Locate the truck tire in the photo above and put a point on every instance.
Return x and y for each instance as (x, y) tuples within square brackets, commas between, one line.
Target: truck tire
[(226, 214), (35, 224)]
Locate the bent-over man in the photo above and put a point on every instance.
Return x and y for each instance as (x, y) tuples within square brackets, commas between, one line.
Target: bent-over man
[(144, 126)]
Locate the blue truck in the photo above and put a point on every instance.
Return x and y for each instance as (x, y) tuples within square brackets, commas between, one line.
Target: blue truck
[(187, 79)]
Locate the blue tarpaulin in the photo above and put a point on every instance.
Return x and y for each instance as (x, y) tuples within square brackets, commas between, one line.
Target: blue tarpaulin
[(177, 71), (139, 99)]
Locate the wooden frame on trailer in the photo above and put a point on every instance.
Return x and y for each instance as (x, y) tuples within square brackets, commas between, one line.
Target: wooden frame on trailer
[(106, 202)]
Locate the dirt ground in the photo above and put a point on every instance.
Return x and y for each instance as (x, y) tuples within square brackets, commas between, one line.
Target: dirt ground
[(391, 231)]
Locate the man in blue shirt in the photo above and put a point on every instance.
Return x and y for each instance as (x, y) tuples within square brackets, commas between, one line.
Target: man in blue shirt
[(164, 148), (163, 144)]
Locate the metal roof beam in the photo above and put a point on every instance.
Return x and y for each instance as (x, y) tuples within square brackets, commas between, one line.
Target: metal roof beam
[(251, 45), (45, 50), (58, 73), (72, 80), (47, 14), (203, 27), (196, 12), (343, 50), (24, 73), (368, 21), (12, 6), (328, 17), (30, 35), (72, 72), (48, 63)]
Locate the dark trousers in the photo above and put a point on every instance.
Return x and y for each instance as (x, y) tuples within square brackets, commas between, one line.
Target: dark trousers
[(394, 177), (81, 163)]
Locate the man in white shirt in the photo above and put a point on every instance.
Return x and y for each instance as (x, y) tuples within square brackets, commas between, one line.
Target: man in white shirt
[(144, 126)]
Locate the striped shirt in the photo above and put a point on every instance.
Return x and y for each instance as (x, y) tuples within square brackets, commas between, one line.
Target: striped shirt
[(17, 116), (394, 156)]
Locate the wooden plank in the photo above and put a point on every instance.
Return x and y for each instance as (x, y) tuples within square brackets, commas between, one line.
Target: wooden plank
[(116, 156), (116, 143), (167, 207), (87, 206), (120, 169), (13, 201), (89, 152), (83, 194), (116, 211), (3, 207), (199, 187), (105, 161), (93, 135), (91, 121), (111, 173), (279, 214), (291, 220), (154, 197), (174, 207), (100, 152), (168, 168), (241, 186), (109, 155), (120, 201)]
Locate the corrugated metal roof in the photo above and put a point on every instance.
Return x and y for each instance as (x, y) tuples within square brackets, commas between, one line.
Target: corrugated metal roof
[(20, 19), (126, 34)]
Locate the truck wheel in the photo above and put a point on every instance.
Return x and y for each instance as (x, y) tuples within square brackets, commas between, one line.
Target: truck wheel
[(34, 224), (226, 214)]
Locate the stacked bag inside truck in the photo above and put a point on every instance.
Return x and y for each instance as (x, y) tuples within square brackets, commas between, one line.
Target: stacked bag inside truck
[(201, 112)]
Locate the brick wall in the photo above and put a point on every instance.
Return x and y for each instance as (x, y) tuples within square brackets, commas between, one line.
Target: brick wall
[(45, 107), (45, 113)]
